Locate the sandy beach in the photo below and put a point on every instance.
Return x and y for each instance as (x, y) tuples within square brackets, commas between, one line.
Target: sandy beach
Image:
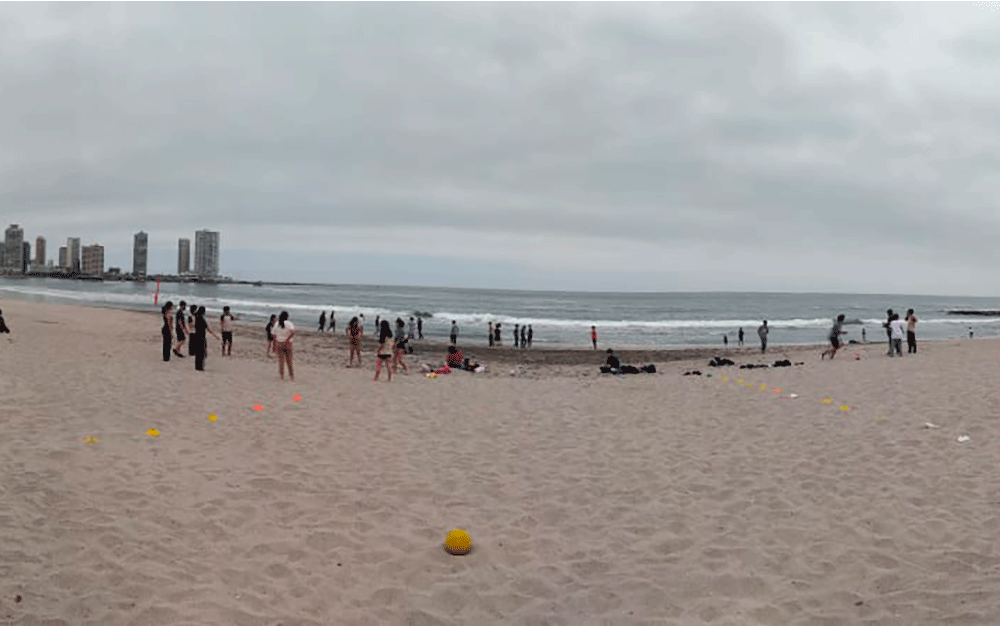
[(590, 499)]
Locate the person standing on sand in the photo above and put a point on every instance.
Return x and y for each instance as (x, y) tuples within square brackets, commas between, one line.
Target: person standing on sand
[(834, 337), (226, 328), (270, 334), (193, 308), (515, 335), (180, 328), (413, 329), (524, 342), (168, 318), (385, 349), (377, 317), (200, 339), (490, 335), (333, 322), (888, 330), (896, 328), (970, 332), (420, 327), (593, 336), (322, 321), (353, 333), (911, 332), (529, 335), (762, 331), (725, 340), (283, 333), (864, 335), (496, 334), (741, 336), (399, 346), (454, 332)]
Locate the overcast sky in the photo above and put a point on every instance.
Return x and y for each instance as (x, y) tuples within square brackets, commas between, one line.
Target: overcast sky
[(608, 146)]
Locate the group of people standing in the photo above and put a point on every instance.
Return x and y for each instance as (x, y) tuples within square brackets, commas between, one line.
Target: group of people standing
[(894, 332), (523, 334), (188, 323)]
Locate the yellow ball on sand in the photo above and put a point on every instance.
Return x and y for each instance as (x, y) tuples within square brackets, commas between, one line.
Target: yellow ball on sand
[(458, 542)]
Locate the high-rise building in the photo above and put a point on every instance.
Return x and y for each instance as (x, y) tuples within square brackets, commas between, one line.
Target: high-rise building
[(206, 253), (183, 256), (73, 250), (1, 256), (25, 256), (93, 260), (40, 250), (140, 246), (13, 259), (63, 257)]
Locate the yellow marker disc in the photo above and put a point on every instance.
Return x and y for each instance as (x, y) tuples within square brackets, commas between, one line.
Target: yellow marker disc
[(826, 400), (213, 418), (845, 408), (90, 439), (458, 542), (739, 380), (725, 379), (152, 432)]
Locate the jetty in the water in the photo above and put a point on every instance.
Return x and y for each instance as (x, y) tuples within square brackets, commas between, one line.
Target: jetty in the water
[(979, 313)]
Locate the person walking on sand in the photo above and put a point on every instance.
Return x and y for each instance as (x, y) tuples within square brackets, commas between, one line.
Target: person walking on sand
[(496, 334), (490, 334), (284, 331), (333, 322), (898, 332), (413, 329), (270, 334), (515, 335), (741, 336), (593, 336), (180, 328), (529, 335), (911, 332), (399, 346), (762, 331), (835, 333), (454, 332), (322, 321), (167, 311), (226, 328), (420, 328), (353, 333), (524, 342), (385, 349)]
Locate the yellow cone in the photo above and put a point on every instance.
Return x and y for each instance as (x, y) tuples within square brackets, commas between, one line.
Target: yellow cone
[(458, 542)]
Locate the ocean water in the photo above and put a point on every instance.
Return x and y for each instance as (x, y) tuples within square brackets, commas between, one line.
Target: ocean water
[(559, 319)]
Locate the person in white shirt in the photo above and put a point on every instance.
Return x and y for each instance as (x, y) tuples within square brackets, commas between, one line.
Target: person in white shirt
[(283, 333), (897, 332), (226, 326)]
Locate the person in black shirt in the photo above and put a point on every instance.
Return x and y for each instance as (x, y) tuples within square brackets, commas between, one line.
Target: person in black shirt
[(191, 345), (496, 333), (524, 341), (199, 339), (420, 328), (270, 335), (322, 321), (181, 328), (166, 312), (530, 333), (612, 365)]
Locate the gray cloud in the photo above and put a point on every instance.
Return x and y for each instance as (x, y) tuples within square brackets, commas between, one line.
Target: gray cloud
[(712, 146)]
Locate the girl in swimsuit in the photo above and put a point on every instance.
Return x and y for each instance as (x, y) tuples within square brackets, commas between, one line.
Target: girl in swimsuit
[(385, 348), (353, 333), (180, 328), (167, 312)]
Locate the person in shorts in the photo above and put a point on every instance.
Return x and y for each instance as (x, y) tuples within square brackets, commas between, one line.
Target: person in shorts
[(226, 326), (386, 344), (270, 334), (835, 334)]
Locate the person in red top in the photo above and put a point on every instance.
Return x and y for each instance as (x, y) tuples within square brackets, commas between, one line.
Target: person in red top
[(593, 336), (455, 357)]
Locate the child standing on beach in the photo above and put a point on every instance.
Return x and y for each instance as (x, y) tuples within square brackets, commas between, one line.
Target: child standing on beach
[(270, 334), (354, 336), (399, 347), (897, 334), (180, 328), (226, 327), (530, 333), (283, 333), (490, 331), (385, 349), (454, 332), (593, 336)]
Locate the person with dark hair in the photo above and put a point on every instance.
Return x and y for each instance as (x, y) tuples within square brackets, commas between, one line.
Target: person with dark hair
[(496, 333), (888, 330), (193, 308), (378, 324), (4, 329), (385, 350), (911, 332), (413, 329), (420, 327), (166, 311), (762, 332), (353, 333), (530, 332), (226, 328), (322, 321), (515, 335), (283, 333), (612, 365), (454, 332), (199, 340), (270, 334), (333, 322), (896, 328), (741, 336), (181, 328), (490, 334), (593, 336), (455, 357), (524, 331), (835, 333), (399, 348)]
